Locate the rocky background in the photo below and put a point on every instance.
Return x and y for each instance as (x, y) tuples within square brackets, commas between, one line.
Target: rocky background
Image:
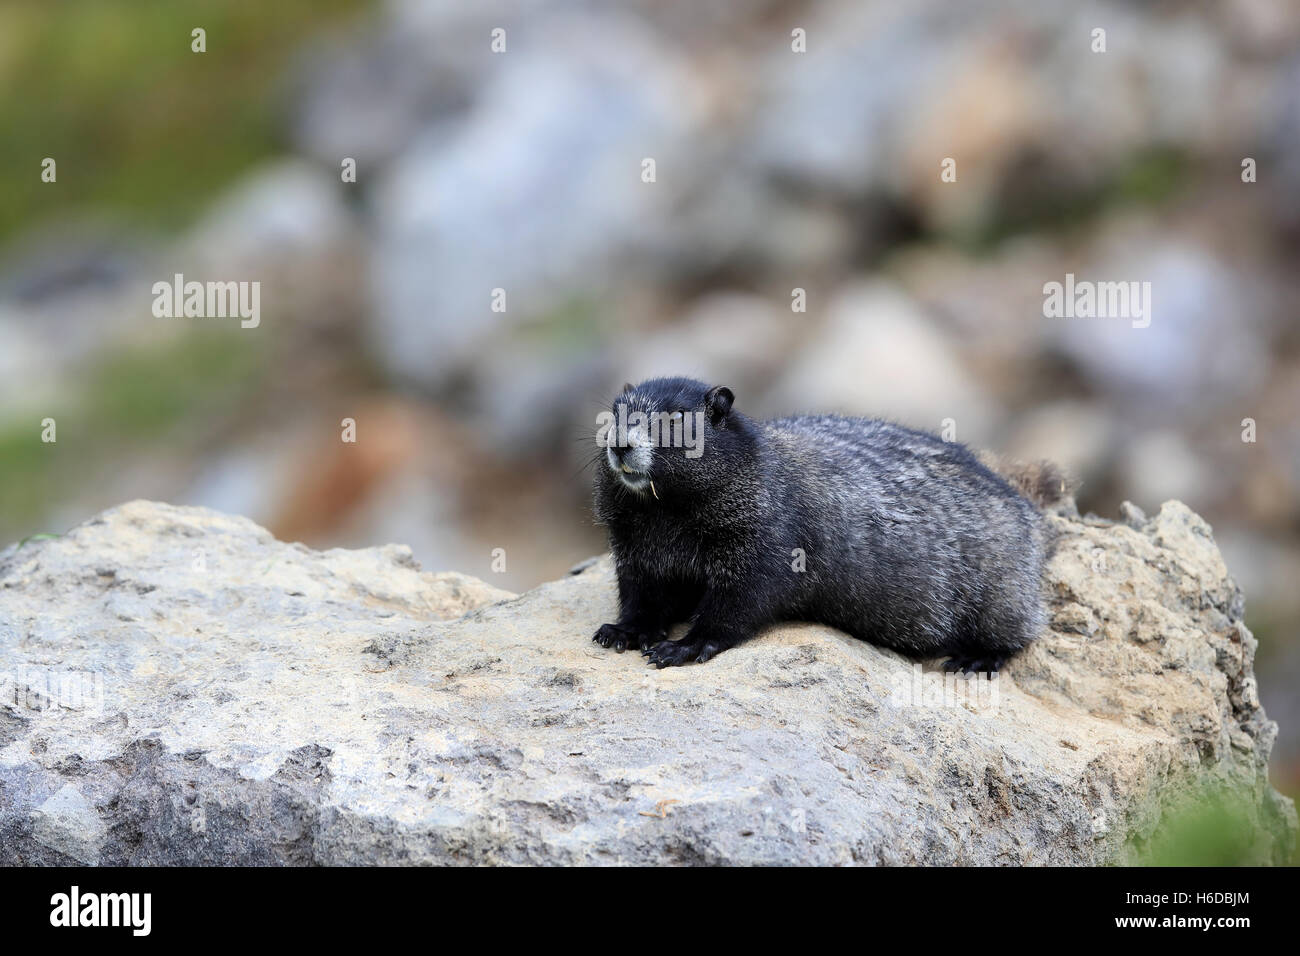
[(521, 170)]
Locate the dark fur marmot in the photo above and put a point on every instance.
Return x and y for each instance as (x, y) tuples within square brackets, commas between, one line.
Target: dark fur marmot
[(892, 535)]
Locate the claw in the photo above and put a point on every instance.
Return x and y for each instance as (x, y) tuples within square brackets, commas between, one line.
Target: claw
[(710, 650), (611, 635), (672, 653)]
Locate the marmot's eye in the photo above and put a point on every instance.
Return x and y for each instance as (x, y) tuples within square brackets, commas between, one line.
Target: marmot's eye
[(675, 417)]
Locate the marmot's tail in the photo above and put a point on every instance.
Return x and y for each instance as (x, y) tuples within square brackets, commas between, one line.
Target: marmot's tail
[(1042, 482)]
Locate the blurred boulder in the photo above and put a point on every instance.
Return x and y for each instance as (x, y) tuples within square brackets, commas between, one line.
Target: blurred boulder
[(1156, 464), (877, 353), (282, 211), (730, 338), (1201, 339), (1078, 436), (288, 226), (538, 192)]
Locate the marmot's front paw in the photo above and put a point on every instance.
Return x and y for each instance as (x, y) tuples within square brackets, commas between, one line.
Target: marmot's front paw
[(621, 637)]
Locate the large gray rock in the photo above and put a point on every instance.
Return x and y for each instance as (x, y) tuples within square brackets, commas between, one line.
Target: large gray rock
[(183, 688), (536, 192)]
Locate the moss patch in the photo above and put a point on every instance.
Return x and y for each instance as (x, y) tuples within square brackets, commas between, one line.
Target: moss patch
[(129, 401), (138, 124)]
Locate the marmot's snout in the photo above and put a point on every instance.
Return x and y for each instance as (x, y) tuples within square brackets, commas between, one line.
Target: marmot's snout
[(631, 460), (629, 451), (653, 431)]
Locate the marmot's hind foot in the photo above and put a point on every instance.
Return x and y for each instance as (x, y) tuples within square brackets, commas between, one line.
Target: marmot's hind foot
[(975, 663)]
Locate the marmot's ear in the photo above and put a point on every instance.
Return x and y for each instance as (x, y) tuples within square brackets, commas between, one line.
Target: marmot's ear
[(627, 387), (718, 401)]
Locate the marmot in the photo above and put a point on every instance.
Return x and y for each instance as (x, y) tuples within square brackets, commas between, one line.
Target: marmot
[(892, 535)]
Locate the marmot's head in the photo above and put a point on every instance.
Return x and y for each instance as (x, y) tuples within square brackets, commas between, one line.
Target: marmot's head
[(656, 433)]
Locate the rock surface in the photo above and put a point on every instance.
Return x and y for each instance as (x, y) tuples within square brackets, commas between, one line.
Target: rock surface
[(180, 687)]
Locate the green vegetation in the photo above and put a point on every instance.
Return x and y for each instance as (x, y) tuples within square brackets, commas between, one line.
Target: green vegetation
[(138, 123), (148, 131), (569, 327), (1148, 178), (1218, 830), (143, 395), (175, 393)]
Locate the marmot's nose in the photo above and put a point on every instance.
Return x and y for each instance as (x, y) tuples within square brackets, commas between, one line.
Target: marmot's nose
[(630, 444)]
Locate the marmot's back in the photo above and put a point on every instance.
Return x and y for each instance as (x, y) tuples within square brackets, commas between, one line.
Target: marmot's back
[(898, 470), (919, 540)]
